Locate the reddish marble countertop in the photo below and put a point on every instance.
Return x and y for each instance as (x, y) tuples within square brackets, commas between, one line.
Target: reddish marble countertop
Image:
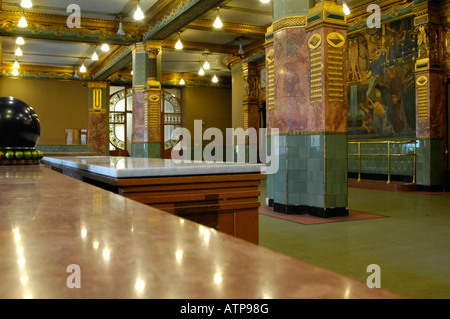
[(128, 250)]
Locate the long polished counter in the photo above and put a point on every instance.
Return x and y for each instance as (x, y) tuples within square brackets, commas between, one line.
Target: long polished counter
[(223, 196), (50, 224)]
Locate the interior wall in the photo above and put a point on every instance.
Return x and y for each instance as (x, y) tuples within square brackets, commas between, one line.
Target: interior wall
[(60, 105), (237, 83), (210, 105)]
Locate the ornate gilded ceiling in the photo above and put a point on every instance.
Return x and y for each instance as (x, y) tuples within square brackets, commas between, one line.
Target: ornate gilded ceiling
[(54, 50)]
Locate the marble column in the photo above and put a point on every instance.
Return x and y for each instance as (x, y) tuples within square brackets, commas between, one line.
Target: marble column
[(250, 106), (431, 127), (98, 120), (308, 105), (146, 102)]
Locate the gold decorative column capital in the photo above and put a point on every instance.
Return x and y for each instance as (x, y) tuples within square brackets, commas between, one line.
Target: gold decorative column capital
[(290, 23), (97, 85), (138, 48), (327, 12), (153, 48)]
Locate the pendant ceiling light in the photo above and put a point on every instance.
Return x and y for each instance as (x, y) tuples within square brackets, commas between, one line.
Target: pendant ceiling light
[(346, 9), (26, 4), (18, 52), (215, 79), (20, 41), (76, 76), (241, 48), (218, 23), (83, 68), (94, 56), (138, 14), (23, 22), (201, 72), (16, 64), (15, 72), (105, 47), (182, 82), (206, 65), (120, 31), (179, 44)]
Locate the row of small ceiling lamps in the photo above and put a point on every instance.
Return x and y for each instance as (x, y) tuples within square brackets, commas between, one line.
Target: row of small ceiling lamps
[(20, 41), (138, 15)]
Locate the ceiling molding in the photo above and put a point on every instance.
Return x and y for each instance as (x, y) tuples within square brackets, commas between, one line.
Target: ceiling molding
[(251, 30), (201, 47), (54, 27), (179, 17), (116, 61)]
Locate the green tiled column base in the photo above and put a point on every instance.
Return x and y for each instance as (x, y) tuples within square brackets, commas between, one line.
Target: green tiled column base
[(146, 150), (312, 176), (429, 163)]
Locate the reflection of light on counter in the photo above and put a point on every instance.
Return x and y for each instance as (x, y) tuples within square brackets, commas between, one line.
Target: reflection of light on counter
[(181, 221), (21, 261), (179, 256), (106, 254), (347, 293), (140, 285), (95, 244), (218, 278), (24, 280), (206, 236), (83, 233), (16, 234)]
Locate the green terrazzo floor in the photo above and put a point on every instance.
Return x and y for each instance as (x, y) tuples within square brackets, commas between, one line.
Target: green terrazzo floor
[(411, 246)]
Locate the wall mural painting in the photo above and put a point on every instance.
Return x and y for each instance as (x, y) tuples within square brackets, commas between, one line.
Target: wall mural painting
[(381, 81)]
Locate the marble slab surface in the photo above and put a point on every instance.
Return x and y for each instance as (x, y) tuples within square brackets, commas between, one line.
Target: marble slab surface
[(51, 223), (129, 167)]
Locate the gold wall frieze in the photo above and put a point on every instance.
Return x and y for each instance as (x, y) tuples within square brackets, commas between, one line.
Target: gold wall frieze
[(289, 23), (41, 72), (395, 9)]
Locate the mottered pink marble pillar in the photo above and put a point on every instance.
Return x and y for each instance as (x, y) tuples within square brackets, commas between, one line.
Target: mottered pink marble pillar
[(309, 108), (98, 119)]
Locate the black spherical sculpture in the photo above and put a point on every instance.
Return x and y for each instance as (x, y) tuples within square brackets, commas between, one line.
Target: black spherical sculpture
[(20, 130)]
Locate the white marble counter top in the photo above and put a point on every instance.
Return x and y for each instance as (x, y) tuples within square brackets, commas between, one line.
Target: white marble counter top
[(130, 167)]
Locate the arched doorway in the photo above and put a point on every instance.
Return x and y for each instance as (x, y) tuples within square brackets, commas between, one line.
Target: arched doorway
[(171, 119), (120, 122)]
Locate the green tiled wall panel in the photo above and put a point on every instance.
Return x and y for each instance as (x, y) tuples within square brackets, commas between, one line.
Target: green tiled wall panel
[(429, 162), (313, 171), (146, 150)]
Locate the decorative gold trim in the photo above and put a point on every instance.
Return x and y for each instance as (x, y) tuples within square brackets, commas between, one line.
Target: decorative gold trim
[(315, 41), (270, 58), (97, 85), (336, 40), (289, 23), (422, 80), (154, 98)]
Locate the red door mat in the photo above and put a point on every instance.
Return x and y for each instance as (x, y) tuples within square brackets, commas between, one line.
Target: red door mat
[(311, 220)]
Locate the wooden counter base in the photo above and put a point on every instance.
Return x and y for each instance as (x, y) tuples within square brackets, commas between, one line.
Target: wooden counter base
[(228, 203)]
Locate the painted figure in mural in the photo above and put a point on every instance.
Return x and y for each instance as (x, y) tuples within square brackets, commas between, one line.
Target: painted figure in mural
[(396, 92), (381, 123), (368, 117)]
